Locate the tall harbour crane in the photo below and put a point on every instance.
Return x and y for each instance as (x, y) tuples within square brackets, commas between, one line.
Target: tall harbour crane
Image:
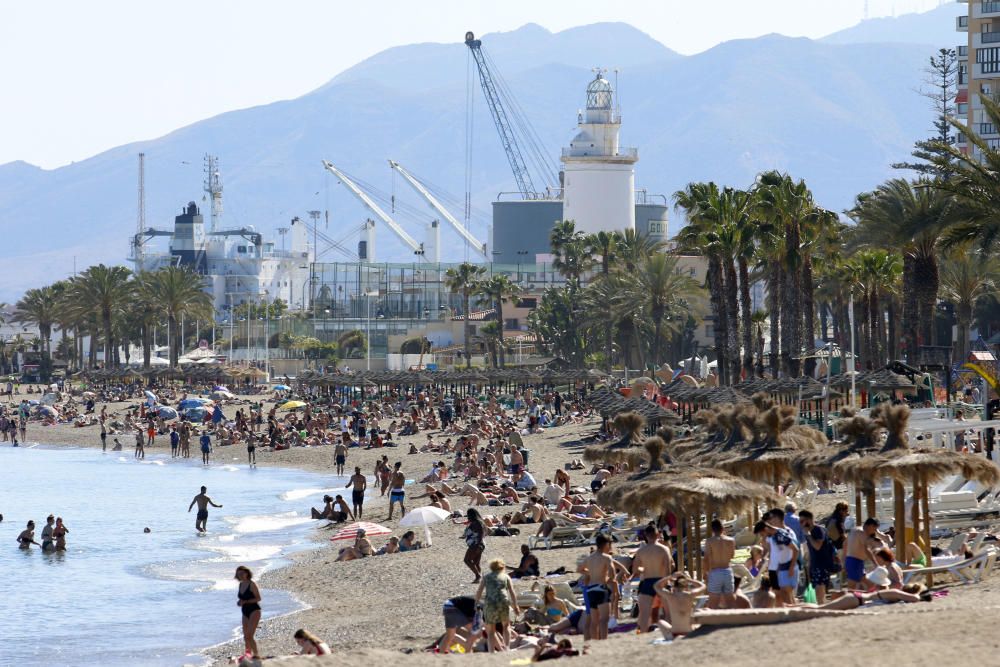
[(427, 252), (498, 98), (475, 243)]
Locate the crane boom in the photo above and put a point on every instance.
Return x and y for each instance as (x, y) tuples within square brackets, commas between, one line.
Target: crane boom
[(417, 248), (476, 244), (501, 120)]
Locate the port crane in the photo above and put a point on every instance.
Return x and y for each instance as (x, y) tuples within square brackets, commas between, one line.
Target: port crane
[(428, 251), (496, 92), (476, 244)]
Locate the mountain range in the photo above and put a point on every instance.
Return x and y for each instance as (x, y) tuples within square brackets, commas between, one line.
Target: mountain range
[(835, 112)]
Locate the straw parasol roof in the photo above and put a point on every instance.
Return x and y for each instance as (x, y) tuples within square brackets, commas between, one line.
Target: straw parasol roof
[(630, 425), (898, 461), (683, 488)]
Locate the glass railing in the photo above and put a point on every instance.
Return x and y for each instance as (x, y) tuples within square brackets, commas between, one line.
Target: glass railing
[(989, 7), (991, 37), (962, 21), (962, 51)]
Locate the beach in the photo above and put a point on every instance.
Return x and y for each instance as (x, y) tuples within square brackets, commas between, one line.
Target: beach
[(374, 609)]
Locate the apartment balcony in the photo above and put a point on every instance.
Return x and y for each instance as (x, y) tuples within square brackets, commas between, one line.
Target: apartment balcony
[(962, 51), (985, 8), (982, 71), (962, 23), (985, 39), (987, 130)]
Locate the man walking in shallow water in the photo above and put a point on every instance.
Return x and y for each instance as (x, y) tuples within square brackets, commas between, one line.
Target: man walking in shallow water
[(203, 501)]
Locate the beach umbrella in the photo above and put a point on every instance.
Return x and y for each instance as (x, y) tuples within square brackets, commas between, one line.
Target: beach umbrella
[(150, 395), (221, 394), (166, 412), (281, 387), (425, 516), (630, 425), (221, 387), (688, 490), (292, 405), (191, 403), (195, 413), (350, 531), (48, 411)]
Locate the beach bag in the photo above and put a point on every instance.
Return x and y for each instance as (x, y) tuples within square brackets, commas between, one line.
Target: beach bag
[(809, 595)]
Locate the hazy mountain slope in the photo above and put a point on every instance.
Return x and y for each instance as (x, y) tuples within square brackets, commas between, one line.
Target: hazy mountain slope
[(935, 28), (821, 111)]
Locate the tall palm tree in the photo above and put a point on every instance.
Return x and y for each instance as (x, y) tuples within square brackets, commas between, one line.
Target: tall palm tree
[(496, 291), (106, 290), (178, 292), (909, 217), (660, 289), (571, 255), (464, 279), (145, 312), (38, 307), (699, 236), (967, 275), (787, 204), (631, 248), (602, 313), (604, 244)]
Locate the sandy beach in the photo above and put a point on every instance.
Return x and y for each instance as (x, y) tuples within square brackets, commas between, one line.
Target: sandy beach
[(372, 610)]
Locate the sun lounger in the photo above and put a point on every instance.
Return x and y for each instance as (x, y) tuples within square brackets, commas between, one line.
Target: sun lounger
[(967, 571), (747, 580), (563, 535)]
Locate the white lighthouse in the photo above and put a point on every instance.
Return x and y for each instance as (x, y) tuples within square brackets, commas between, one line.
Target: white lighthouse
[(599, 175)]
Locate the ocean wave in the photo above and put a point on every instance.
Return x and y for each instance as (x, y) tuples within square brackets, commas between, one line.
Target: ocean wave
[(267, 522)]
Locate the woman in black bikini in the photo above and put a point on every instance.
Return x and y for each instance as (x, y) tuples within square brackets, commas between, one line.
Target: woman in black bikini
[(474, 536), (248, 599)]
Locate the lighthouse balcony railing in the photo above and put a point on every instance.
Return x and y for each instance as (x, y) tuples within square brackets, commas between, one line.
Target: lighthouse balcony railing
[(629, 152)]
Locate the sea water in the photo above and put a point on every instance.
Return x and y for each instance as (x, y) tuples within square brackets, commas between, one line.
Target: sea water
[(119, 596)]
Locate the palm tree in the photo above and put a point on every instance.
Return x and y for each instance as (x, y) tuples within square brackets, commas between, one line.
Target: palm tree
[(464, 280), (38, 307), (602, 312), (631, 249), (659, 287), (570, 255), (145, 313), (967, 275), (699, 237), (495, 291), (604, 244), (178, 292), (909, 217), (105, 290), (787, 204)]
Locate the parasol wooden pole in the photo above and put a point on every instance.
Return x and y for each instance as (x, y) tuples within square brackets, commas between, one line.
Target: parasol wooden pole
[(926, 511), (899, 503), (857, 504), (918, 534), (681, 529), (869, 500), (691, 545), (697, 543)]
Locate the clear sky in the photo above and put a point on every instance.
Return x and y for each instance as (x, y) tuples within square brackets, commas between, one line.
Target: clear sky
[(82, 77)]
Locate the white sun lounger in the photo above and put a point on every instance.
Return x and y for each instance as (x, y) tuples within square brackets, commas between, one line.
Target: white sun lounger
[(968, 571)]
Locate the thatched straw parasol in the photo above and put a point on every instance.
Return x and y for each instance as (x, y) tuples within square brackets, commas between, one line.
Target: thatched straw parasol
[(921, 467), (686, 490), (625, 450)]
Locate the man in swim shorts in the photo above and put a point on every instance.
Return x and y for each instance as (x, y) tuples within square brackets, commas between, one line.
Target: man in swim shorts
[(857, 551), (396, 492), (203, 501), (654, 561), (340, 456), (600, 571), (358, 483), (719, 552), (206, 446)]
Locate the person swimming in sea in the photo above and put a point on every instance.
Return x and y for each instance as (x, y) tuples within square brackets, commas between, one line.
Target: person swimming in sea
[(48, 544), (27, 537), (59, 533)]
